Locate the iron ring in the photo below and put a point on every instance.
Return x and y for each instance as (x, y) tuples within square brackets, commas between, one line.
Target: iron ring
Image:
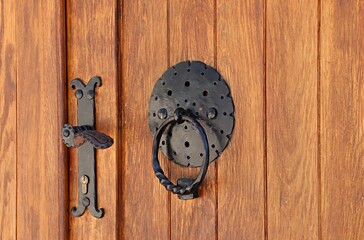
[(180, 115)]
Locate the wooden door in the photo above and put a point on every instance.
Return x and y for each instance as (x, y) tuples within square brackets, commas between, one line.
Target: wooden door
[(294, 168)]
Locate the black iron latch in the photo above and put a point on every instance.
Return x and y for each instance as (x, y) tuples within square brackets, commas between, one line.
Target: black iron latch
[(86, 139)]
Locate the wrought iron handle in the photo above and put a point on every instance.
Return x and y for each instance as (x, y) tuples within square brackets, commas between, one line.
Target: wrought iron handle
[(86, 139), (186, 188), (76, 136)]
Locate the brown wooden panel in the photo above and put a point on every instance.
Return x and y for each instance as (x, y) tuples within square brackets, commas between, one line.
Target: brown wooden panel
[(7, 121), (42, 191), (342, 119), (93, 50), (291, 98), (240, 59), (144, 59), (191, 37)]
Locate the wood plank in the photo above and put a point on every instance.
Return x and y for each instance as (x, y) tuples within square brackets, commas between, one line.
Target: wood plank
[(93, 50), (8, 136), (42, 190), (342, 114), (240, 59), (292, 127), (191, 37), (144, 59)]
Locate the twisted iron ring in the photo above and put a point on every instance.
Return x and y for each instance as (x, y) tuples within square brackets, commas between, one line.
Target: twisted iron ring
[(179, 116)]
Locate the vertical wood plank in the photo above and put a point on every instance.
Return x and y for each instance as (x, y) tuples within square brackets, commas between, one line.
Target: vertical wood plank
[(191, 37), (292, 142), (144, 59), (240, 59), (93, 50), (8, 136), (42, 167), (342, 119)]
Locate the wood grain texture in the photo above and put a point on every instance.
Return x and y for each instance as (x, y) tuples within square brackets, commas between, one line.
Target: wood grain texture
[(42, 167), (8, 136), (144, 59), (93, 50), (342, 119), (291, 97), (191, 37), (240, 59), (294, 168)]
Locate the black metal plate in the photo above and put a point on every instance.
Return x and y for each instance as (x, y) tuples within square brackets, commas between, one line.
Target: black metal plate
[(198, 88)]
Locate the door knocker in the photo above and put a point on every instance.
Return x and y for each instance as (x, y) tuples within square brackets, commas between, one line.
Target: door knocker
[(191, 116)]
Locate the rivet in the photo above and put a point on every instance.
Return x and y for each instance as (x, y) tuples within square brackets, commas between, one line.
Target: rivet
[(178, 114), (90, 94), (79, 94), (86, 201), (162, 113), (211, 113), (66, 133)]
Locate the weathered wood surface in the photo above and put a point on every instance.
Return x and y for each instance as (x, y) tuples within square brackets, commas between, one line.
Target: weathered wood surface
[(42, 189), (8, 136), (293, 170), (292, 119), (241, 168), (342, 119)]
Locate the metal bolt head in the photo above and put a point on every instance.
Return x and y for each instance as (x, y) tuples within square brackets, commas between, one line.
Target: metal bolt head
[(211, 113), (86, 201), (162, 113), (90, 94), (178, 113), (79, 94), (66, 133)]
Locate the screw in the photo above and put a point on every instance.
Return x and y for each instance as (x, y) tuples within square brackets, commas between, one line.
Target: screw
[(162, 113), (211, 113)]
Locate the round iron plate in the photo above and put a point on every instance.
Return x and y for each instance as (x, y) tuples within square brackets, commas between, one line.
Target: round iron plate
[(199, 89)]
